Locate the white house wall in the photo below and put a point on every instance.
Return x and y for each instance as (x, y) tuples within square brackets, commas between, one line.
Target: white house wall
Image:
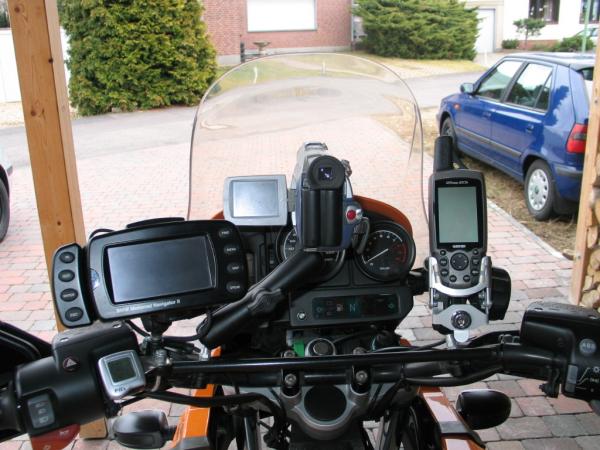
[(9, 79), (568, 20)]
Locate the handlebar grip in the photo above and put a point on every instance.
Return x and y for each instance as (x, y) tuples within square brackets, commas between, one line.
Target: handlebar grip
[(228, 321), (9, 417)]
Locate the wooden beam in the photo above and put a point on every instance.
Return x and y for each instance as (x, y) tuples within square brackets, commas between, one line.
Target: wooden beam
[(587, 222), (40, 66)]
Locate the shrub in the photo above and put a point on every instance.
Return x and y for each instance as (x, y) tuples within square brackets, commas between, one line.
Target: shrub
[(572, 44), (509, 44), (136, 54), (529, 27), (421, 29)]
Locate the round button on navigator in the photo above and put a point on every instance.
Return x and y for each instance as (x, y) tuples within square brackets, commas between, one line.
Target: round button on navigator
[(225, 233), (234, 287), (74, 314), (66, 275), (231, 249), (459, 261), (234, 268), (68, 295), (67, 257)]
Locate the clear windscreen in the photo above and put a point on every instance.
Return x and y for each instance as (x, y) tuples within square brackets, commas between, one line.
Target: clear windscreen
[(255, 117)]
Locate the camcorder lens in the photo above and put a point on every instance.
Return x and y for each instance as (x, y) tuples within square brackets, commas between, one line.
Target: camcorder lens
[(326, 173)]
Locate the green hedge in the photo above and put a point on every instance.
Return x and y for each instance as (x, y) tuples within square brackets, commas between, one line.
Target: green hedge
[(136, 54), (572, 44), (420, 29)]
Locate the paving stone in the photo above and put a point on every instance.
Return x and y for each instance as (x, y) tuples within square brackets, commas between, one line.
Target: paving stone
[(589, 442), (564, 426), (505, 445), (590, 423), (565, 405), (489, 435), (91, 444), (531, 387), (535, 406), (524, 428), (509, 387), (551, 444)]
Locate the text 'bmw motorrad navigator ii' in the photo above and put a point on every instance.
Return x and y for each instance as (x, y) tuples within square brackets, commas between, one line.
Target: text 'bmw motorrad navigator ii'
[(292, 284)]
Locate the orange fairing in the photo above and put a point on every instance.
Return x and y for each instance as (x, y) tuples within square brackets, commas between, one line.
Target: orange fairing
[(443, 412), (192, 429)]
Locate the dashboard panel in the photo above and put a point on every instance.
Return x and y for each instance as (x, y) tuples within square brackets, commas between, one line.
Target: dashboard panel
[(349, 288)]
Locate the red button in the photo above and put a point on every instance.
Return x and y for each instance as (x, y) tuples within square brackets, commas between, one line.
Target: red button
[(351, 215)]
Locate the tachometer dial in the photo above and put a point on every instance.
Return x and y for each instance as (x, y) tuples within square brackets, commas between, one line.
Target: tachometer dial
[(288, 244), (389, 253)]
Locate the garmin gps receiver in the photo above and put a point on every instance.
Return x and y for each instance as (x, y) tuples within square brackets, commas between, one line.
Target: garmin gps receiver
[(460, 272)]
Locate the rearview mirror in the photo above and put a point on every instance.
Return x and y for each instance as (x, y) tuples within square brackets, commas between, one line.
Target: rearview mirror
[(467, 88)]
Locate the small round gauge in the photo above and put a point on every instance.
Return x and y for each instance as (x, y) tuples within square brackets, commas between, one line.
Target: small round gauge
[(288, 244), (389, 252)]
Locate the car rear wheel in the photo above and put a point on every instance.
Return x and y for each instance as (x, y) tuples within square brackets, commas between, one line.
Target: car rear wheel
[(540, 190), (4, 211), (447, 129)]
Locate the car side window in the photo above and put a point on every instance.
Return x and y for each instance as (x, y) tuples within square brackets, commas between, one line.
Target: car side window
[(496, 82), (532, 88)]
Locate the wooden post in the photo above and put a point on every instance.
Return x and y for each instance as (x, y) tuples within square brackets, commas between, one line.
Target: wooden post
[(586, 269), (40, 65)]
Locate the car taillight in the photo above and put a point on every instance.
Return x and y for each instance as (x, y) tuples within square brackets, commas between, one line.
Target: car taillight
[(577, 138)]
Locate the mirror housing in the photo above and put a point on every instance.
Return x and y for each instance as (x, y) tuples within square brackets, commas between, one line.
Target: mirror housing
[(143, 429), (467, 88), (483, 408)]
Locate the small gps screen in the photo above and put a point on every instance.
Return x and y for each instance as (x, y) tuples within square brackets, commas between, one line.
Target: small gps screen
[(160, 269), (457, 215), (121, 369), (257, 198)]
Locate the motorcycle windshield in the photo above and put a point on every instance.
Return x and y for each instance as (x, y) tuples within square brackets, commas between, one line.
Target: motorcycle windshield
[(254, 118)]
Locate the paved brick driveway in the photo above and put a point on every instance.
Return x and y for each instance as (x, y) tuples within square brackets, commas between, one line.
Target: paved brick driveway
[(124, 187)]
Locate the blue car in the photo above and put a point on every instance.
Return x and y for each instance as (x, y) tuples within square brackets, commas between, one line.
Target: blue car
[(528, 116)]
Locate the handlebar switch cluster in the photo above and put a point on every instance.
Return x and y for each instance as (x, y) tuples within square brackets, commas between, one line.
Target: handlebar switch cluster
[(574, 333)]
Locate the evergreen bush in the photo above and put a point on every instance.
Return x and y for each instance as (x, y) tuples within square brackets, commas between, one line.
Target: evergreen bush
[(572, 44), (510, 44), (420, 29), (136, 54)]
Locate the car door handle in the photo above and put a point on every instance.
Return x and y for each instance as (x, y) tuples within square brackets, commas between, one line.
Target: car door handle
[(487, 114), (529, 128)]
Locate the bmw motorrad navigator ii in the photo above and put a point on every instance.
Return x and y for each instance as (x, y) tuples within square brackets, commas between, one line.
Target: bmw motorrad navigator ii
[(305, 247)]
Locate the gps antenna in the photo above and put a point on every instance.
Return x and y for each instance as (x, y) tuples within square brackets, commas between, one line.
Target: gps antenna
[(443, 154)]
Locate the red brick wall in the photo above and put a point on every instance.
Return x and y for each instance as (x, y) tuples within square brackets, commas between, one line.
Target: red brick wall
[(227, 26)]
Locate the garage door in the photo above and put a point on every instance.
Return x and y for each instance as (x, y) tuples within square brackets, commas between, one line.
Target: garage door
[(485, 41)]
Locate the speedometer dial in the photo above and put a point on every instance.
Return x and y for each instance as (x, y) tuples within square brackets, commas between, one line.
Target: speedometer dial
[(389, 253)]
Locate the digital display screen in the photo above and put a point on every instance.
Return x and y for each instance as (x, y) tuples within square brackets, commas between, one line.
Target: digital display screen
[(121, 369), (160, 269), (457, 215), (359, 306), (255, 198)]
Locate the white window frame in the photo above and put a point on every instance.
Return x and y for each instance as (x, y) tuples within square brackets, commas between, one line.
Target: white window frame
[(256, 29)]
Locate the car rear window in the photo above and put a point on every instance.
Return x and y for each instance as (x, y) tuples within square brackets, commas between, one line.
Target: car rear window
[(532, 88), (496, 82), (587, 73)]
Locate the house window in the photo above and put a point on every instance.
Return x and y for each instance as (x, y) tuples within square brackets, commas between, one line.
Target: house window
[(544, 9), (281, 15), (594, 11)]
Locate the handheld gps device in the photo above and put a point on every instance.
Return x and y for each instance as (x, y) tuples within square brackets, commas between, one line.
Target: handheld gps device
[(459, 269)]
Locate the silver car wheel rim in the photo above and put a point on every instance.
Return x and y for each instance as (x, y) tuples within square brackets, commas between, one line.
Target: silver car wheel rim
[(538, 188)]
